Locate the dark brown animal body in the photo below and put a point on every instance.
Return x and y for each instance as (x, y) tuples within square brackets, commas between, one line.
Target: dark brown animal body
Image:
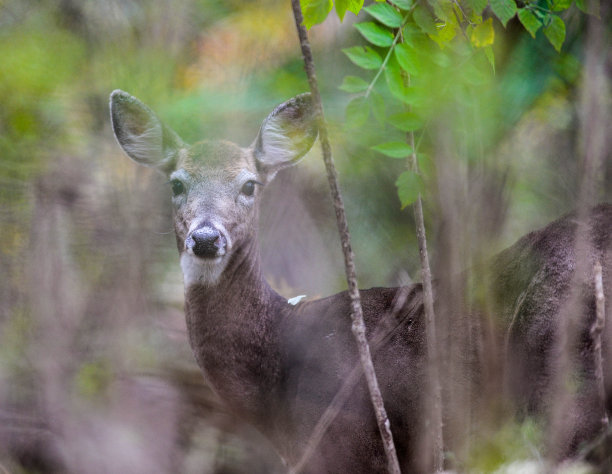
[(279, 365)]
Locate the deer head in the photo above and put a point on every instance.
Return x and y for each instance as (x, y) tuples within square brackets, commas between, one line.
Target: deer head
[(216, 185)]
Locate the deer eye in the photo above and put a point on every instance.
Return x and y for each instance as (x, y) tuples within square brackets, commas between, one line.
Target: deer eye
[(177, 187), (248, 188)]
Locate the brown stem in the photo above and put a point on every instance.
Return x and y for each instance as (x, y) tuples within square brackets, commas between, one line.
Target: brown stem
[(358, 326), (434, 407)]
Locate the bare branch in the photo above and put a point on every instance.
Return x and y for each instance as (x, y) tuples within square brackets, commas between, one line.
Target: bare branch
[(358, 326)]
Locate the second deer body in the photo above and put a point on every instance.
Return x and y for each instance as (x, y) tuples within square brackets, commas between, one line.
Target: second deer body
[(279, 365)]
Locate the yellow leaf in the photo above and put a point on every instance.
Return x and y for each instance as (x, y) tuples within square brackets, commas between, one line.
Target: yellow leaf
[(483, 35)]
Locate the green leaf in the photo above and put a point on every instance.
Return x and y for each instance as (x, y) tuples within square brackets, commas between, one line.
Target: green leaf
[(364, 57), (396, 80), (403, 4), (589, 7), (386, 14), (529, 21), (555, 32), (503, 9), (394, 149), (488, 50), (424, 20), (408, 59), (353, 84), (315, 11), (477, 6), (377, 105), (357, 112), (375, 34), (408, 187), (561, 5), (483, 35), (406, 121), (353, 6)]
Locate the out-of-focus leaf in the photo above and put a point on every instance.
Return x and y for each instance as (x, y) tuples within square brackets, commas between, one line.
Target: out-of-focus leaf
[(353, 6), (445, 33), (488, 50), (386, 14), (353, 84), (561, 5), (408, 187), (406, 121), (483, 35), (403, 4), (357, 112), (364, 57), (396, 82), (529, 21), (555, 32), (591, 7), (377, 105), (315, 11), (375, 34), (503, 9), (477, 6), (408, 59), (424, 20), (394, 149)]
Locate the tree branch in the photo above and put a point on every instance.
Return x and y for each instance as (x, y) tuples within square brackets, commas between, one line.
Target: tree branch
[(358, 326)]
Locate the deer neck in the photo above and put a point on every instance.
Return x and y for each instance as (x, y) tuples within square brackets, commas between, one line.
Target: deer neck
[(233, 331)]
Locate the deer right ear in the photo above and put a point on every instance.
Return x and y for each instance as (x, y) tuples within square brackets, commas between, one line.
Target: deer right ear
[(141, 134), (286, 134)]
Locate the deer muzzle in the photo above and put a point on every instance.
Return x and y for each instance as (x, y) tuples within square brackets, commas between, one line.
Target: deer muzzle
[(206, 242)]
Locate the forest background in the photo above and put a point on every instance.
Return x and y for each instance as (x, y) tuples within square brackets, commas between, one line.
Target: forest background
[(95, 370)]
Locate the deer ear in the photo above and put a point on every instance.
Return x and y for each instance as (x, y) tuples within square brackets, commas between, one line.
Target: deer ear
[(141, 134), (286, 134)]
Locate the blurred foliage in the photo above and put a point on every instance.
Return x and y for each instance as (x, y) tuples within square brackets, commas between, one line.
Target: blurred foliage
[(90, 294)]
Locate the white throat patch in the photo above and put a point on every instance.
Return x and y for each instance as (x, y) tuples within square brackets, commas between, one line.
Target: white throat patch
[(201, 272)]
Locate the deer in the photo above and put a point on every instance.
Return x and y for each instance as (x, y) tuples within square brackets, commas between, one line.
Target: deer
[(278, 365)]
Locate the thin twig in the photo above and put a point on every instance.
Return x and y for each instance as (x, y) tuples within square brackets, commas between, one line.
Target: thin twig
[(434, 411), (596, 330), (358, 326)]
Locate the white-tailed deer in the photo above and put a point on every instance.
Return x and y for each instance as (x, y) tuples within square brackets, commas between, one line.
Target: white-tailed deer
[(279, 365)]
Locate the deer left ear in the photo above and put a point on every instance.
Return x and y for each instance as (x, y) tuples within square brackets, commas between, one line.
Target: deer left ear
[(286, 135)]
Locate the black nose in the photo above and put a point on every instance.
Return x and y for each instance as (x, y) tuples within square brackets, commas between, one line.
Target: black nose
[(206, 242)]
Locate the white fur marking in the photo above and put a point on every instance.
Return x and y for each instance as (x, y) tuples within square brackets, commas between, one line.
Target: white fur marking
[(197, 271), (296, 299)]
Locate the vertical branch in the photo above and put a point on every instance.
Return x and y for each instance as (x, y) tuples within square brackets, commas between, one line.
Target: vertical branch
[(596, 330), (358, 326), (594, 117), (434, 402)]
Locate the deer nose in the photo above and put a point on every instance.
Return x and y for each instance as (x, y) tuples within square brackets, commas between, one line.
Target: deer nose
[(206, 242)]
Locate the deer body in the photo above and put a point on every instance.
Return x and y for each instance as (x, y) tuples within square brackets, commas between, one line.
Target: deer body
[(279, 365)]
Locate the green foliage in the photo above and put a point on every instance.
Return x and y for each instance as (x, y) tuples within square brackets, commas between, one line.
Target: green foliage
[(394, 149), (353, 84), (428, 52), (375, 34), (353, 6), (529, 21), (386, 14), (555, 32), (409, 185), (364, 57), (509, 443), (503, 9), (315, 11)]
